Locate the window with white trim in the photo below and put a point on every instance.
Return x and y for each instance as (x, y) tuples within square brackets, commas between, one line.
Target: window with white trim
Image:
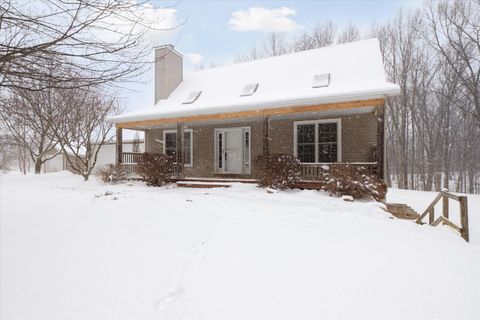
[(170, 144), (318, 141)]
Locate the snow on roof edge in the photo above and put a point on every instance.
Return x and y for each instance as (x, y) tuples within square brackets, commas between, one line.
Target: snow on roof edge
[(390, 89)]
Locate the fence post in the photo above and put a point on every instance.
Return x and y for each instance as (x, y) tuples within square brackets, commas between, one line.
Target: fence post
[(431, 216), (445, 206), (464, 217)]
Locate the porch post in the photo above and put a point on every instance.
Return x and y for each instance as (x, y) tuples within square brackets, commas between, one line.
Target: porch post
[(180, 150), (381, 141), (119, 143), (266, 147)]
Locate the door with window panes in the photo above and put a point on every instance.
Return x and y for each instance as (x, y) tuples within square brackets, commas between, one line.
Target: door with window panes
[(232, 150)]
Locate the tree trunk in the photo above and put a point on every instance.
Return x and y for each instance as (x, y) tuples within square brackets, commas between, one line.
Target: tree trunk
[(38, 166)]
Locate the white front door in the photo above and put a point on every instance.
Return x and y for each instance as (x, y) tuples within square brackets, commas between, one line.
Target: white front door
[(232, 150)]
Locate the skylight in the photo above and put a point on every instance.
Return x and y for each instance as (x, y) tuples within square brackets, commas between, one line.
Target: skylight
[(192, 97), (249, 89), (321, 80)]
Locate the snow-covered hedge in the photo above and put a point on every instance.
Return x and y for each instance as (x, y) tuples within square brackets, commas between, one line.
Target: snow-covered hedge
[(279, 171), (112, 173), (156, 169), (355, 181)]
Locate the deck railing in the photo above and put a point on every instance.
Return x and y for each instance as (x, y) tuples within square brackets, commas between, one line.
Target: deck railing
[(314, 171)]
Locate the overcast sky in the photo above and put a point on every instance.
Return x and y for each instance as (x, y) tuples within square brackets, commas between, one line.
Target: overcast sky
[(217, 31)]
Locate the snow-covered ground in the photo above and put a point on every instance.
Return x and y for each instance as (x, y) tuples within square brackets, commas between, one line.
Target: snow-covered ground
[(75, 250)]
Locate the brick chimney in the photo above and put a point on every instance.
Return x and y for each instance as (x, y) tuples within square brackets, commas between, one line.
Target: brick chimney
[(168, 71)]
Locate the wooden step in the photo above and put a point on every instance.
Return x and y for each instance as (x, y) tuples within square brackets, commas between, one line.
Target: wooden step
[(201, 185), (402, 211), (216, 180)]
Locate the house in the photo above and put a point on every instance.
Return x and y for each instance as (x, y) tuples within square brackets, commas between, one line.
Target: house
[(105, 155), (323, 106)]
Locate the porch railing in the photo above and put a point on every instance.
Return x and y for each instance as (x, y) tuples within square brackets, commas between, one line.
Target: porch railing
[(314, 171), (310, 171), (132, 157), (130, 161)]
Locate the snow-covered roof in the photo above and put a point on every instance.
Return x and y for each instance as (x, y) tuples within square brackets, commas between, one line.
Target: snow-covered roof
[(356, 72)]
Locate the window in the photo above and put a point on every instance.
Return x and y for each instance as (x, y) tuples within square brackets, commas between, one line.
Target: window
[(306, 142), (192, 97), (246, 148), (321, 80), (327, 142), (219, 152), (249, 89), (317, 141), (170, 144)]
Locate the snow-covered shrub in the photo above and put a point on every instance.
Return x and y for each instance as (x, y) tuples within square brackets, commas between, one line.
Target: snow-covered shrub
[(355, 181), (279, 171), (112, 173), (156, 168)]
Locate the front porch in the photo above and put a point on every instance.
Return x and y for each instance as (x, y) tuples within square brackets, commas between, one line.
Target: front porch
[(223, 146)]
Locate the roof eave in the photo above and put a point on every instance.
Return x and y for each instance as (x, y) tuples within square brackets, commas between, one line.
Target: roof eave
[(351, 96)]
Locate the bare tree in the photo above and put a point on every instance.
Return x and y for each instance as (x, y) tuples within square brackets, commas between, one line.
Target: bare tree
[(253, 54), (25, 116), (276, 44), (398, 41), (322, 35), (89, 41), (455, 30), (81, 127), (349, 33), (7, 152)]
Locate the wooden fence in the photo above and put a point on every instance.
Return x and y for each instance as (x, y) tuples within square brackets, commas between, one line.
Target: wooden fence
[(444, 218)]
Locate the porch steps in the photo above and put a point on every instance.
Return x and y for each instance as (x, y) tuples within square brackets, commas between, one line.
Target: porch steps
[(214, 180), (202, 184), (402, 211), (210, 182)]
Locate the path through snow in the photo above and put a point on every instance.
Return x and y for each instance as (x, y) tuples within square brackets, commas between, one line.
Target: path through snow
[(72, 250)]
